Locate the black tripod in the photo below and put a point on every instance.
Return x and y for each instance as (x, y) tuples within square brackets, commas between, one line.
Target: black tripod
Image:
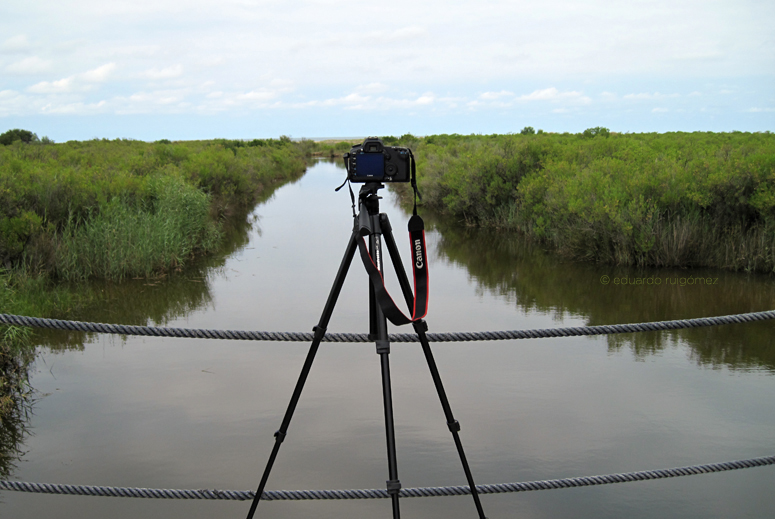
[(370, 222)]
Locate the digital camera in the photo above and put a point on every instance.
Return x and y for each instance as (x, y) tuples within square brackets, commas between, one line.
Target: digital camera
[(372, 161)]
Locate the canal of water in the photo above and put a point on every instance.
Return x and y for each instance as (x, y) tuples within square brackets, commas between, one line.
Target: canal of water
[(180, 413)]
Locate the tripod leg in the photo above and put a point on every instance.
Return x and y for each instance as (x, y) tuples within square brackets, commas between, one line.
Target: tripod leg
[(393, 484), (421, 327), (454, 425), (320, 331), (383, 349)]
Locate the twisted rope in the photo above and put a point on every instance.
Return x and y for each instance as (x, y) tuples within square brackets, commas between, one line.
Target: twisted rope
[(156, 331), (295, 495)]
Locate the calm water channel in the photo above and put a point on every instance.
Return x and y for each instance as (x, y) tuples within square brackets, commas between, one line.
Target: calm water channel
[(177, 413)]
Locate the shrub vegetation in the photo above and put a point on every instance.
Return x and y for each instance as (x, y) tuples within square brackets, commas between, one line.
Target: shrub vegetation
[(672, 199), (112, 209)]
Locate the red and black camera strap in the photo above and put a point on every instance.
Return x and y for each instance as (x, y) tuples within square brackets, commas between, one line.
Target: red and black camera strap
[(419, 269)]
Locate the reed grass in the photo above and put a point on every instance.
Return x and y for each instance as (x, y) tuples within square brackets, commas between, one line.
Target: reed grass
[(131, 240)]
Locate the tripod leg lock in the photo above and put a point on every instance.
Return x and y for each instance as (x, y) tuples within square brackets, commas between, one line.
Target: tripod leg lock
[(420, 326), (383, 347), (454, 426), (319, 332), (393, 486), (385, 223), (280, 436)]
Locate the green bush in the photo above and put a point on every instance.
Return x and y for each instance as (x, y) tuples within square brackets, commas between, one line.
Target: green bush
[(47, 192), (677, 199), (10, 136)]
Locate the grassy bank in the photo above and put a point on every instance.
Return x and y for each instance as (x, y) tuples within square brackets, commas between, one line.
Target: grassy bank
[(673, 199)]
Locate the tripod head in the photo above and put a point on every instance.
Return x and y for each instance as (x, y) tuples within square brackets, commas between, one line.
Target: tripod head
[(368, 193), (368, 202)]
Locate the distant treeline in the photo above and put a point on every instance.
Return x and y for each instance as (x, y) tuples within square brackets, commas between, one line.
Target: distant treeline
[(671, 199)]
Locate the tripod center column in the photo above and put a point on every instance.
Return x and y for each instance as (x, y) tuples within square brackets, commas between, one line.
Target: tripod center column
[(383, 349)]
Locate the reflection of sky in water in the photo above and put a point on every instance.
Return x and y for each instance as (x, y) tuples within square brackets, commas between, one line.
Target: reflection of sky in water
[(201, 414)]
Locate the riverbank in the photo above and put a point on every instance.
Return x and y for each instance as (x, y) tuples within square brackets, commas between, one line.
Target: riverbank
[(661, 200)]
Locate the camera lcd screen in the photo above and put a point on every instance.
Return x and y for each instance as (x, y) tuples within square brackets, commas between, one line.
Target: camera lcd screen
[(370, 165)]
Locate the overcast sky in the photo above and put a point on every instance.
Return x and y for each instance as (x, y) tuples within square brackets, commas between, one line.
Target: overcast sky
[(152, 69)]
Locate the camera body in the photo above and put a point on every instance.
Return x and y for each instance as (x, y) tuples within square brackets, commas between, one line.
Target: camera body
[(372, 161)]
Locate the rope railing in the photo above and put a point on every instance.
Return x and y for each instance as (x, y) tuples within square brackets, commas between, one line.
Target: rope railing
[(154, 331), (192, 333), (295, 495)]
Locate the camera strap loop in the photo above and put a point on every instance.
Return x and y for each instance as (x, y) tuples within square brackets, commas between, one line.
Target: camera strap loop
[(414, 182), (420, 271), (352, 195)]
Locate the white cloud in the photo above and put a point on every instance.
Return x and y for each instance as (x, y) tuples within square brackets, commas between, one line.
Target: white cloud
[(15, 44), (29, 66), (99, 74), (159, 97), (405, 34), (391, 103), (258, 95), (496, 95), (646, 95), (542, 95), (372, 88), (699, 56), (358, 101), (11, 102), (164, 73), (154, 101), (353, 100), (554, 95), (53, 87), (78, 108), (139, 50), (76, 83), (659, 110)]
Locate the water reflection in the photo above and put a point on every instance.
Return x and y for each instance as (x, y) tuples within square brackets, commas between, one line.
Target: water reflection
[(156, 302), (536, 280), (15, 410)]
